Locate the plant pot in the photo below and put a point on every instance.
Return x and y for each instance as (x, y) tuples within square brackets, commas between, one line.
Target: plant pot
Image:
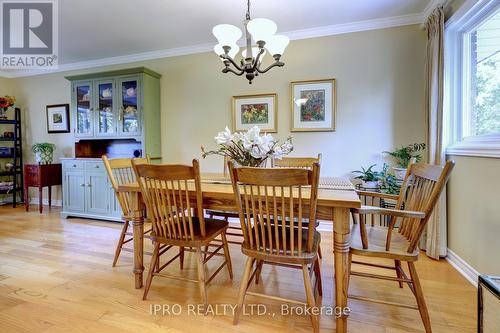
[(399, 173), (371, 184), (44, 157)]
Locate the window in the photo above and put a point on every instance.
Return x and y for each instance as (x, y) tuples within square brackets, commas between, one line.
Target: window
[(472, 80), (482, 78)]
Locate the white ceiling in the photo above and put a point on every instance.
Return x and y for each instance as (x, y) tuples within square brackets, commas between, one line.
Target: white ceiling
[(97, 29)]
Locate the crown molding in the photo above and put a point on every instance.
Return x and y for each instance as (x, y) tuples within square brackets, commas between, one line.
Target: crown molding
[(336, 29)]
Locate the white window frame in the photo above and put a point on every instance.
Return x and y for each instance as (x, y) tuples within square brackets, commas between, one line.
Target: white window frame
[(456, 92)]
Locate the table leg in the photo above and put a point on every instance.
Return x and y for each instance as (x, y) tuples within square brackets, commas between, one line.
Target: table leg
[(50, 196), (341, 244), (138, 227), (26, 196), (40, 199)]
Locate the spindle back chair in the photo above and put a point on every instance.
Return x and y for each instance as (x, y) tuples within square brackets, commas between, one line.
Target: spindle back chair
[(120, 172), (399, 241), (267, 200), (295, 162), (173, 198)]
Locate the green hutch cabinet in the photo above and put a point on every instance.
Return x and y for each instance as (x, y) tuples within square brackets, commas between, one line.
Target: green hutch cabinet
[(114, 111)]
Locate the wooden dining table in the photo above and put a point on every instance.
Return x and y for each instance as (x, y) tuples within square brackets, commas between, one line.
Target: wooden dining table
[(336, 196)]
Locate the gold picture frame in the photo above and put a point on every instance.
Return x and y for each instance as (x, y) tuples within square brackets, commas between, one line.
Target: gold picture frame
[(255, 110), (319, 115)]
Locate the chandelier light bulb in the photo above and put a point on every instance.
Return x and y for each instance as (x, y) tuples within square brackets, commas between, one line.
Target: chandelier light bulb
[(277, 44), (261, 29), (227, 34)]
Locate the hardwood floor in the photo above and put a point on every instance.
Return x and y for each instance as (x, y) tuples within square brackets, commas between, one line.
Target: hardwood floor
[(56, 276)]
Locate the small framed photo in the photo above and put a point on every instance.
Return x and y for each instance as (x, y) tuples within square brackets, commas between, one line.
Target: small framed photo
[(58, 118), (313, 105), (255, 110)]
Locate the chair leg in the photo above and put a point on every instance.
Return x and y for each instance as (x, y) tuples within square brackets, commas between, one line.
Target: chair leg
[(320, 255), (201, 276), (205, 252), (181, 257), (152, 267), (243, 289), (227, 255), (258, 270), (419, 295), (397, 264), (120, 242), (310, 297), (317, 272)]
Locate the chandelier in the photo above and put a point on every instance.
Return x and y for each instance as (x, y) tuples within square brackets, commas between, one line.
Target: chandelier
[(262, 31)]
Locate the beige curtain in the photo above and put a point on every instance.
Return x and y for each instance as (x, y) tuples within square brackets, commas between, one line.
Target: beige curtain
[(435, 237)]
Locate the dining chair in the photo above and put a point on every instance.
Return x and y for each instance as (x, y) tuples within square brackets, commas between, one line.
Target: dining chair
[(399, 241), (295, 162), (120, 172), (302, 163), (267, 199), (178, 220), (233, 230)]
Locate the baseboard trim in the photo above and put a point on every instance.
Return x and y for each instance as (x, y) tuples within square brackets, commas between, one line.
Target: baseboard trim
[(463, 267), (35, 201)]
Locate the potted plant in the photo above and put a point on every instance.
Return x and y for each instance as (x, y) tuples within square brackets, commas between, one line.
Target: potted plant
[(402, 157), (388, 182), (250, 148), (368, 177), (6, 102), (44, 152)]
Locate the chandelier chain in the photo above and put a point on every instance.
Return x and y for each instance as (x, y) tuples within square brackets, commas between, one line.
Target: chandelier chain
[(248, 10)]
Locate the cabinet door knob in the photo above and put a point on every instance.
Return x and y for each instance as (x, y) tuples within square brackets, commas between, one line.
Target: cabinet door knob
[(74, 165), (82, 185), (88, 185), (97, 167)]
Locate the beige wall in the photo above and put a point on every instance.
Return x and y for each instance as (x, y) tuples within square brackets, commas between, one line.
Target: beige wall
[(473, 207), (474, 212), (380, 98)]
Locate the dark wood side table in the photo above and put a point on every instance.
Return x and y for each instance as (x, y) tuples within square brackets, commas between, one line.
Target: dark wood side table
[(41, 175)]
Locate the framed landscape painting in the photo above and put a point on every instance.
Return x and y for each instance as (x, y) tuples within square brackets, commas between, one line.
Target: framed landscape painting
[(251, 110), (313, 105), (58, 118)]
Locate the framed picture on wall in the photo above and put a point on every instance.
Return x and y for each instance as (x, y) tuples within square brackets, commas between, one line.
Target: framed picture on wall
[(58, 118), (251, 110), (313, 105)]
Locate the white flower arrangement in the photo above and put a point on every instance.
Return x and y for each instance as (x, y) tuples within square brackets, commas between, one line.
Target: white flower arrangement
[(250, 148)]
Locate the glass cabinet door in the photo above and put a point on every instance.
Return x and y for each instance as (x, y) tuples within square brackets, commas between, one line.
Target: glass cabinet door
[(83, 96), (129, 116), (105, 122)]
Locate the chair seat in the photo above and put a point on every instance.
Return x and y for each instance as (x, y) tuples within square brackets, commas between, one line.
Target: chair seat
[(377, 238), (222, 213), (293, 258), (213, 228), (305, 221)]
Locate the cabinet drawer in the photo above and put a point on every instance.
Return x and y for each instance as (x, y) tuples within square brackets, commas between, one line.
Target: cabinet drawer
[(94, 166), (72, 165), (31, 175)]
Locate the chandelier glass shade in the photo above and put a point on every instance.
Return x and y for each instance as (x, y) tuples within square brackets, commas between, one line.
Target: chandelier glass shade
[(262, 31)]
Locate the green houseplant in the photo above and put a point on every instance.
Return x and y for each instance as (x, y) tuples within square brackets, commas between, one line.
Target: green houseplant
[(388, 182), (402, 157), (44, 152), (368, 177)]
